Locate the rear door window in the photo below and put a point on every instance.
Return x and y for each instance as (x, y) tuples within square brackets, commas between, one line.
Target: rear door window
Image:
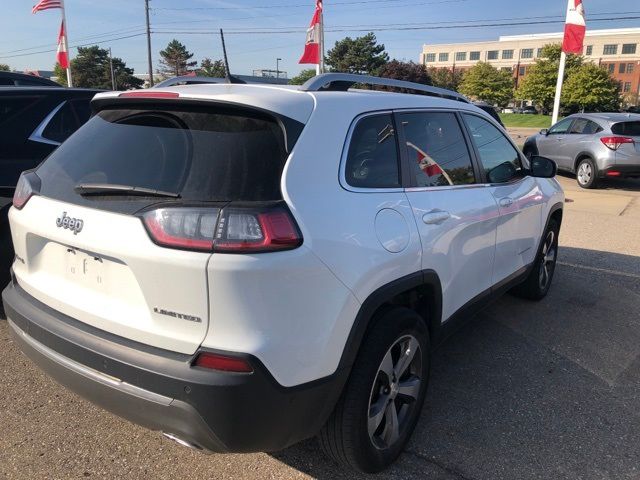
[(436, 149), (630, 129), (372, 161), (199, 154), (499, 158), (12, 106), (582, 126)]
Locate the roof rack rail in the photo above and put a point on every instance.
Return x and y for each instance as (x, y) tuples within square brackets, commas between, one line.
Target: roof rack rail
[(188, 80), (341, 82)]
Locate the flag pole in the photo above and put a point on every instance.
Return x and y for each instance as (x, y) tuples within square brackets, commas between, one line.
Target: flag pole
[(66, 43), (556, 101), (320, 66)]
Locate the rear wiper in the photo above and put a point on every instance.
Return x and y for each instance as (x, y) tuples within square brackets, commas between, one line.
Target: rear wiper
[(108, 188)]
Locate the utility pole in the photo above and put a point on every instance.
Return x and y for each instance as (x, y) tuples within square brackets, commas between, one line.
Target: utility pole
[(113, 77), (146, 8), (278, 68)]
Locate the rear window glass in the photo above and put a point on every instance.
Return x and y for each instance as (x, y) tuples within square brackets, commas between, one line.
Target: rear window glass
[(631, 129), (202, 155)]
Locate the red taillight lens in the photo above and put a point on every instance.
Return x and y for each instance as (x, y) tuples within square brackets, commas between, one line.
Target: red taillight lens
[(149, 94), (184, 228), (614, 142), (225, 363), (246, 230), (23, 192)]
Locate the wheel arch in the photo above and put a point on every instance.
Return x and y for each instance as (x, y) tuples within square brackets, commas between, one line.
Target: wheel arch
[(581, 156), (420, 291)]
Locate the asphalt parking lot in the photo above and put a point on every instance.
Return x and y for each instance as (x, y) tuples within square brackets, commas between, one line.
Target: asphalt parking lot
[(545, 390)]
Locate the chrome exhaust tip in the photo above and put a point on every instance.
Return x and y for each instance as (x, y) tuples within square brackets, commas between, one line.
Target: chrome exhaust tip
[(182, 442)]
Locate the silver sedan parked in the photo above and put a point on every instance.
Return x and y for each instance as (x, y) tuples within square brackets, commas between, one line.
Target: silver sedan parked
[(593, 146)]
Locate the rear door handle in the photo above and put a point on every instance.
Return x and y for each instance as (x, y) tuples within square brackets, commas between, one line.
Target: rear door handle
[(436, 217), (506, 202)]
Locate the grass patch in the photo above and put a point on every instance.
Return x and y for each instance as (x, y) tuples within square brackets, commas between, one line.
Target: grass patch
[(518, 120)]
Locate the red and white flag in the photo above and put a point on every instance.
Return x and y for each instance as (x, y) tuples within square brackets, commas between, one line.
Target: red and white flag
[(62, 55), (575, 28), (46, 5), (312, 46)]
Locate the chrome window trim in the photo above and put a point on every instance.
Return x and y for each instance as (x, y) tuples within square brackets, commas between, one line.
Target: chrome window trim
[(345, 153), (37, 135)]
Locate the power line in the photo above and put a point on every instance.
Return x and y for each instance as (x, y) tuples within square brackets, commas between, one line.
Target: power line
[(303, 5), (365, 28), (76, 46)]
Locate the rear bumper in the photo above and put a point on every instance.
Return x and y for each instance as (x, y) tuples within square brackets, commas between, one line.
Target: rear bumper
[(621, 171), (160, 390)]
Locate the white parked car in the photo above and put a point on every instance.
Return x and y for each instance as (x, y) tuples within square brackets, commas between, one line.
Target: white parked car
[(245, 266)]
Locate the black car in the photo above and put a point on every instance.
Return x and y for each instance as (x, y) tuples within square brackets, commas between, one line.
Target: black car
[(490, 109), (33, 122), (12, 79)]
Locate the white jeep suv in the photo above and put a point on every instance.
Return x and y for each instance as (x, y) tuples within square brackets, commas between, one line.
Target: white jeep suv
[(243, 267)]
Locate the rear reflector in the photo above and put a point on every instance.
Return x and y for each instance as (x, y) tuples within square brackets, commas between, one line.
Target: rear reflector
[(614, 142), (613, 173), (224, 363), (148, 94)]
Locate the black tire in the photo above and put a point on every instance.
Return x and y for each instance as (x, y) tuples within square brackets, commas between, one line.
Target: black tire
[(346, 437), (534, 288), (587, 173)]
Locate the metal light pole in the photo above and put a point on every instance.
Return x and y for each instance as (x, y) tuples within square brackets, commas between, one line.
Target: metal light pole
[(113, 77), (278, 68), (146, 8)]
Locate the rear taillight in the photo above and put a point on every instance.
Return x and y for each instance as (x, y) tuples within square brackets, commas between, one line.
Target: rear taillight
[(216, 361), (24, 191), (614, 142), (183, 228), (232, 230), (243, 230)]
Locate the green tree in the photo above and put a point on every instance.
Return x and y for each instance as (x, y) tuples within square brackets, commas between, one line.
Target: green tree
[(212, 68), (485, 82), (539, 85), (446, 77), (175, 59), (408, 71), (357, 55), (91, 69), (303, 76), (591, 88), (4, 67)]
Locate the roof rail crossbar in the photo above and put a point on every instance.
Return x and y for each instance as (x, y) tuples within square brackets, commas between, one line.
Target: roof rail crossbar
[(342, 82)]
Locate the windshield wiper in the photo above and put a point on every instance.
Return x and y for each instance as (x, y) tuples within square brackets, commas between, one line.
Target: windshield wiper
[(113, 189)]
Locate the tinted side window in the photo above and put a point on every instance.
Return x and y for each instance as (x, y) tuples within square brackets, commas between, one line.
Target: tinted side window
[(82, 107), (437, 150), (500, 159), (62, 125), (11, 106), (584, 127), (372, 161), (562, 126)]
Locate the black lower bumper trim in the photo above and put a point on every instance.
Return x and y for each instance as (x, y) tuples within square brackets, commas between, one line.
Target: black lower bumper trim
[(215, 411), (624, 171)]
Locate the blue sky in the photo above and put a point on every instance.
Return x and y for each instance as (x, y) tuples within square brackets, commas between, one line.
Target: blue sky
[(90, 21)]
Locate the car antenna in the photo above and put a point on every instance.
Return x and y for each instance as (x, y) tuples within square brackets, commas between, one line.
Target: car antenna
[(227, 72)]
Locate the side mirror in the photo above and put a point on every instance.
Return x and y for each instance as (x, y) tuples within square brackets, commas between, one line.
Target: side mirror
[(502, 173), (542, 167), (544, 131)]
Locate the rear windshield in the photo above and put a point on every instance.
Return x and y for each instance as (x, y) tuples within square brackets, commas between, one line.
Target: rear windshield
[(631, 129), (201, 155)]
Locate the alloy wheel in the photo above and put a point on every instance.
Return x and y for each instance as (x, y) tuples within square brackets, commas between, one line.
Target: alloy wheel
[(395, 392), (548, 264)]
